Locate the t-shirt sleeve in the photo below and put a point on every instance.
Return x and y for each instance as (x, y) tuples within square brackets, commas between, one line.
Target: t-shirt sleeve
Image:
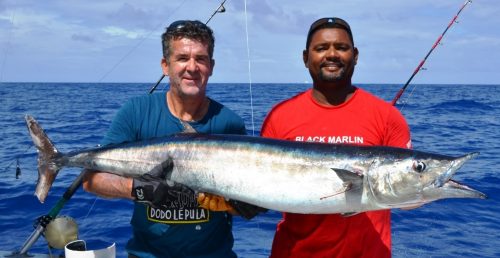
[(268, 130), (239, 127), (121, 128), (233, 124), (398, 131)]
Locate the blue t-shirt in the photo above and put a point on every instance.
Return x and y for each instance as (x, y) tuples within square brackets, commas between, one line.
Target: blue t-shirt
[(192, 232)]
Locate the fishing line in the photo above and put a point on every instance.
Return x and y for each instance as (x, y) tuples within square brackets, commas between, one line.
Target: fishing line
[(139, 43), (78, 181), (2, 69), (419, 67), (219, 9), (249, 70), (90, 209), (120, 61), (17, 159)]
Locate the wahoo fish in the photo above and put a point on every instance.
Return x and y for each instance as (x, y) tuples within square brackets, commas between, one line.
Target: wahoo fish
[(286, 176)]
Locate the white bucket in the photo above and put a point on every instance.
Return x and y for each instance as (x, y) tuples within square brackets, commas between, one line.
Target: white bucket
[(78, 249)]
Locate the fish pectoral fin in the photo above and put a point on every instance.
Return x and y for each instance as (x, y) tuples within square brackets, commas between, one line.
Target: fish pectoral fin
[(352, 181), (349, 176), (346, 186), (162, 170)]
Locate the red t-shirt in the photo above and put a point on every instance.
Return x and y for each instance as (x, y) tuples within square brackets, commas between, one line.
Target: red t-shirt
[(362, 120)]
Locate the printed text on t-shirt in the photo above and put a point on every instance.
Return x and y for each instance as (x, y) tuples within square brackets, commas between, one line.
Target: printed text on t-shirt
[(331, 139)]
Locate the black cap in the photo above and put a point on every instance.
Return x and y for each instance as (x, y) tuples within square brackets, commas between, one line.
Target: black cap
[(332, 22)]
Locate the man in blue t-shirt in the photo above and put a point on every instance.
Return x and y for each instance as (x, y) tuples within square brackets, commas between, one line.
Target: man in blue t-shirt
[(162, 228)]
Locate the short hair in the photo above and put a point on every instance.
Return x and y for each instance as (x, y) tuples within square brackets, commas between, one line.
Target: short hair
[(194, 30)]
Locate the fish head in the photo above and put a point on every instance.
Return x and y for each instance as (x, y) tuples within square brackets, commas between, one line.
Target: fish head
[(416, 179)]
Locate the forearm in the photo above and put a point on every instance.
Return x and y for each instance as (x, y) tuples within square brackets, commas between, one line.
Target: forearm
[(108, 185)]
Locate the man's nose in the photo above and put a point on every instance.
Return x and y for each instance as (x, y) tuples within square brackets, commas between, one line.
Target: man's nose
[(332, 53), (192, 65)]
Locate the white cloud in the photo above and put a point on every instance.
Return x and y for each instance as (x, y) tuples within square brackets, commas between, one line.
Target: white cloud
[(393, 36), (121, 32)]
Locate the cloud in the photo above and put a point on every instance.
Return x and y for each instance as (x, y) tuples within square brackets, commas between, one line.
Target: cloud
[(130, 16), (392, 35), (83, 38), (121, 32), (277, 17), (6, 23)]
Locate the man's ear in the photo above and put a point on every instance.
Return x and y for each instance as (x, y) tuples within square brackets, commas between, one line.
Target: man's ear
[(212, 62), (305, 57), (356, 53), (164, 66)]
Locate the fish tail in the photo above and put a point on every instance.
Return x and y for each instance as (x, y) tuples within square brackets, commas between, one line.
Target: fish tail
[(48, 158)]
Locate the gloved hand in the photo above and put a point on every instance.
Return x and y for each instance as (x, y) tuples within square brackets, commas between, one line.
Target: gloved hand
[(214, 203), (157, 192), (218, 203)]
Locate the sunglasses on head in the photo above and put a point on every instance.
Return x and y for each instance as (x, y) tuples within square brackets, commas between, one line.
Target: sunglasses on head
[(177, 25), (330, 22)]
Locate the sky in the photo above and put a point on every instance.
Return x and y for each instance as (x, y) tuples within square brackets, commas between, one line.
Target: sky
[(258, 41)]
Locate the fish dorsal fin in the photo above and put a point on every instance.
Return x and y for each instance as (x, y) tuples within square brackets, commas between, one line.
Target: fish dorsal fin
[(352, 181), (187, 127)]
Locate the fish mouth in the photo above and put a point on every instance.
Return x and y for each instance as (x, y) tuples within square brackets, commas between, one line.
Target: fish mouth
[(453, 167), (445, 187), (454, 189)]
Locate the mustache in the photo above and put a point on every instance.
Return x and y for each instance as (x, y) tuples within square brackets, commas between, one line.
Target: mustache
[(332, 62)]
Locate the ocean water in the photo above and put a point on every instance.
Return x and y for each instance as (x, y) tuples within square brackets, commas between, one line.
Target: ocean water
[(447, 119)]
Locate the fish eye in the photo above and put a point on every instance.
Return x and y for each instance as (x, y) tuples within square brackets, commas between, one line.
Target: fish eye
[(419, 166)]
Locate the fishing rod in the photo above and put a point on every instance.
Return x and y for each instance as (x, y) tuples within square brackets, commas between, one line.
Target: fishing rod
[(43, 221), (419, 67), (219, 9)]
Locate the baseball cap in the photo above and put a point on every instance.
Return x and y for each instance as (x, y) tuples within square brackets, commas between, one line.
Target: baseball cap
[(331, 22)]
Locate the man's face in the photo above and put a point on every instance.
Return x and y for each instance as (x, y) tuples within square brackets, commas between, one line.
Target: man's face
[(189, 67), (331, 57)]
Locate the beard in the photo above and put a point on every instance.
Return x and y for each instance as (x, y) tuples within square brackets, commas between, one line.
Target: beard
[(332, 77), (344, 72)]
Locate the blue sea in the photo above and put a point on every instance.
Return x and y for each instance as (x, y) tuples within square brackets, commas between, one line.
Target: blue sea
[(447, 119)]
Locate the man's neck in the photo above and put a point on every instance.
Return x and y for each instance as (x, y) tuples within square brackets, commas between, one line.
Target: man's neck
[(332, 94), (187, 109)]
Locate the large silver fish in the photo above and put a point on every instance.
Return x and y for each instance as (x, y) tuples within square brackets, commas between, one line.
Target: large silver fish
[(298, 177)]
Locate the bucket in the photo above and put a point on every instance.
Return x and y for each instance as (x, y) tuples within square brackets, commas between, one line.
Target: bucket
[(78, 249)]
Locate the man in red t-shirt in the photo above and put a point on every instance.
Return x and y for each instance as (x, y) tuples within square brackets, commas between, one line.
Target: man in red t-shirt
[(335, 111)]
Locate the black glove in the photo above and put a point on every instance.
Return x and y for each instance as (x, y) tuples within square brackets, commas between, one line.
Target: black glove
[(246, 210), (157, 192)]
